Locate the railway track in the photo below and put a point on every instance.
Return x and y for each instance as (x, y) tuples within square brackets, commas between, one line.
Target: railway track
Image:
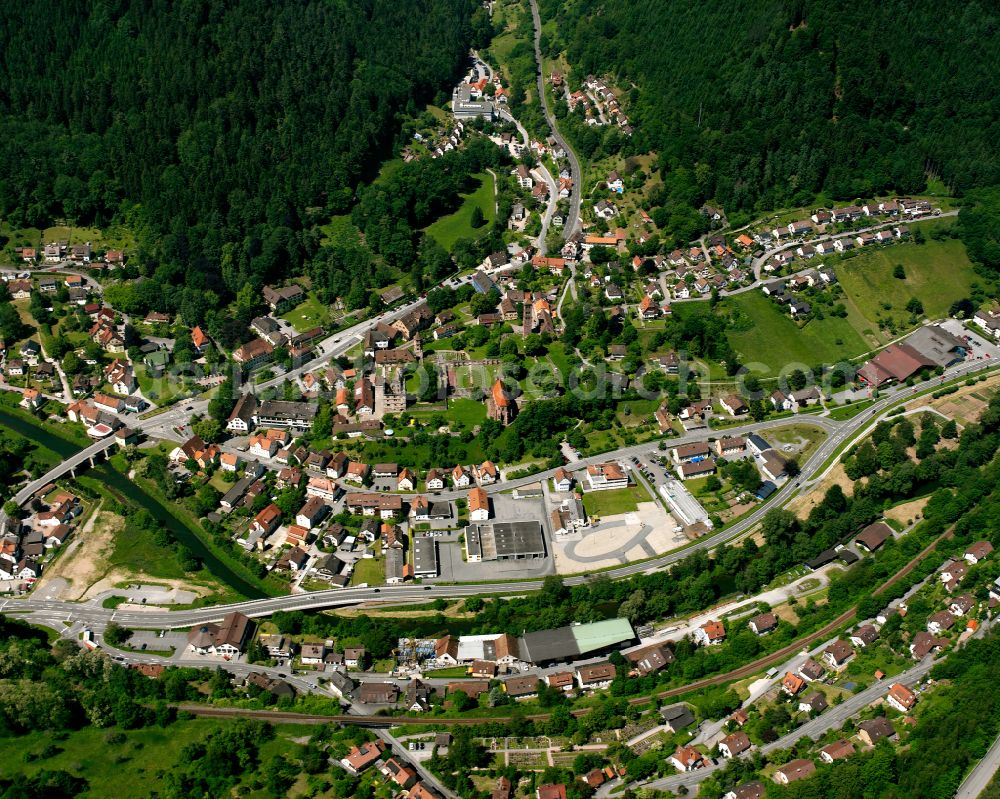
[(285, 717)]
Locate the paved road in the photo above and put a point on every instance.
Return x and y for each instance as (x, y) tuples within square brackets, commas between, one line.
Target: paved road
[(981, 775), (573, 217), (832, 719), (57, 611), (758, 263)]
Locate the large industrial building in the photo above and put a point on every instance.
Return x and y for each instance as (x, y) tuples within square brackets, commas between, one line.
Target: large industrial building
[(504, 541), (928, 347), (425, 559), (576, 641)]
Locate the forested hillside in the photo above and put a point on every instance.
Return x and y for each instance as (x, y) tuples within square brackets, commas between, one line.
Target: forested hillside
[(211, 126), (764, 103)]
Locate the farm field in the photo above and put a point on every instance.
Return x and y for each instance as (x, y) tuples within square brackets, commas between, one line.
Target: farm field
[(458, 225)]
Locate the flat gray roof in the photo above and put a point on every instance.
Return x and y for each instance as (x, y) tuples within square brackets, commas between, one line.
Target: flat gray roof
[(425, 561), (937, 344), (506, 540)]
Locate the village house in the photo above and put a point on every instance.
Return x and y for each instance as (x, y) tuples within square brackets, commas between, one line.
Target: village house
[(874, 730), (814, 703), (838, 750), (687, 758), (266, 521), (734, 405), (360, 758), (595, 676), (763, 623), (977, 552), (711, 632), (735, 744), (479, 505), (837, 654), (901, 698), (792, 684), (794, 771), (864, 636)]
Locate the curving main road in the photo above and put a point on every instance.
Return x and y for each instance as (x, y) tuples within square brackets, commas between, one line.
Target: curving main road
[(56, 612), (573, 217)]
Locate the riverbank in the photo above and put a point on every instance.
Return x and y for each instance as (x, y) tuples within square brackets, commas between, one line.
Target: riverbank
[(182, 529)]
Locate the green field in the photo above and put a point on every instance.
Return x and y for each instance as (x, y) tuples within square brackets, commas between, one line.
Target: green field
[(458, 225), (123, 770), (796, 434), (465, 412), (308, 314), (616, 501), (774, 340), (369, 570), (115, 237), (937, 274)]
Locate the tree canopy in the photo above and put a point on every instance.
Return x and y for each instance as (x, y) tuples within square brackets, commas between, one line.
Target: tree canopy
[(768, 103)]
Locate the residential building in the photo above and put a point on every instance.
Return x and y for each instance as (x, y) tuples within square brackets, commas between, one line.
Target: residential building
[(838, 750), (837, 654), (361, 757), (763, 623), (479, 505), (604, 476), (595, 676), (901, 698), (794, 771), (228, 639), (874, 730), (687, 758), (734, 744), (977, 552), (711, 632)]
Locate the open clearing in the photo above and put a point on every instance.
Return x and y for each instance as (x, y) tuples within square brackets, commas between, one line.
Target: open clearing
[(797, 440), (449, 229), (771, 337), (86, 559), (308, 314), (907, 512), (93, 563), (937, 274), (614, 502), (801, 506)]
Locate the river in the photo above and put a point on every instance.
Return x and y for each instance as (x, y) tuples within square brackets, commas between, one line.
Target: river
[(118, 482)]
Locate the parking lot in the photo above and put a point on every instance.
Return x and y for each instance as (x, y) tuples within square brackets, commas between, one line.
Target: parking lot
[(384, 485), (508, 509), (454, 568), (157, 641)]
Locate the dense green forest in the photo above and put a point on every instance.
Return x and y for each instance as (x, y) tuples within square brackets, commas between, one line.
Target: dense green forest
[(767, 103), (220, 132)]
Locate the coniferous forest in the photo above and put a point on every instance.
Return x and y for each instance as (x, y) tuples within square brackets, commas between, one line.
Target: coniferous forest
[(765, 103), (216, 130)]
